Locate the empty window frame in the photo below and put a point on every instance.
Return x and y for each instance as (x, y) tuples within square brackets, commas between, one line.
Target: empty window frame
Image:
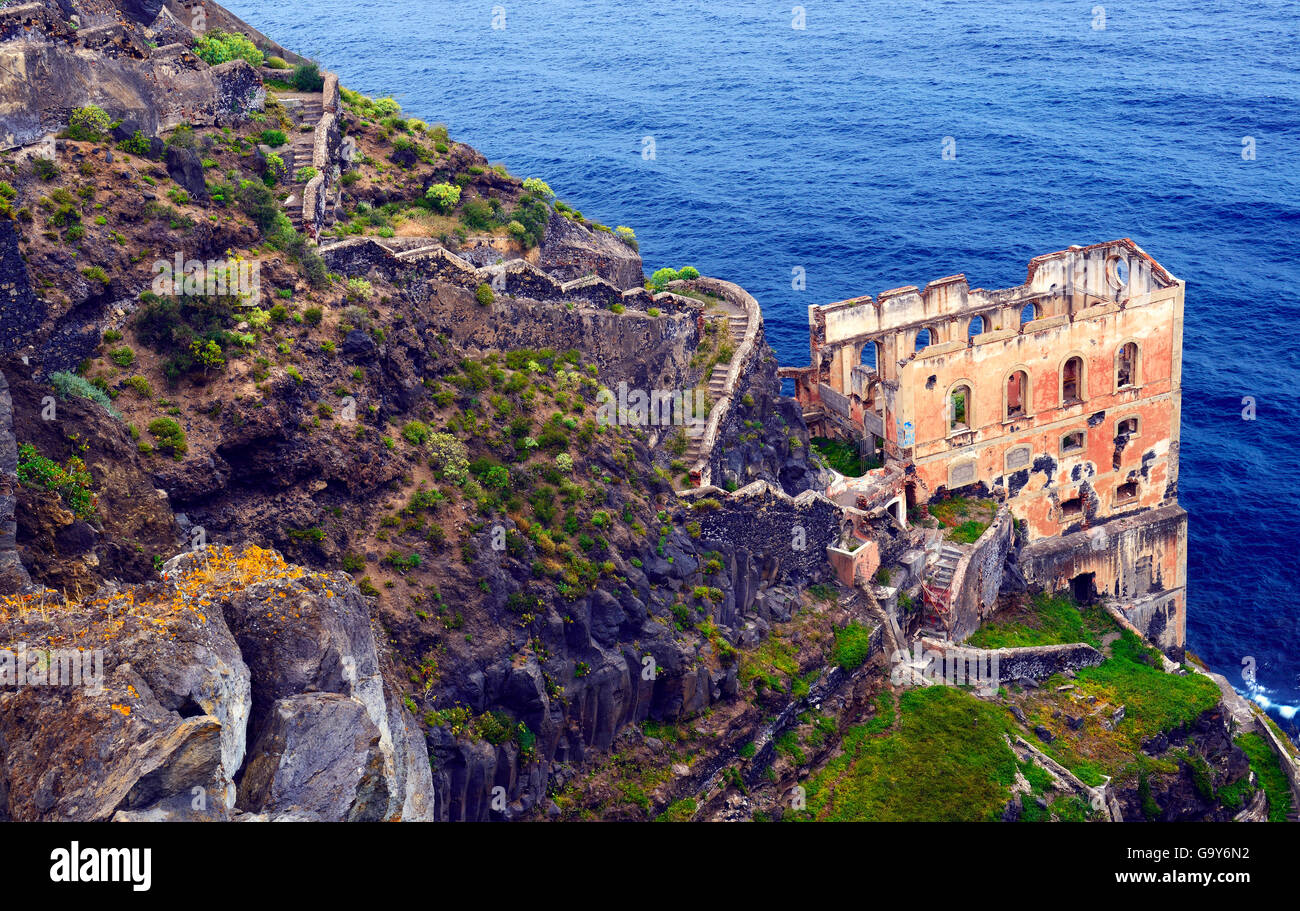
[(1073, 442), (1072, 507), (1017, 395), (959, 409), (1072, 380), (1126, 365), (1126, 492), (976, 326), (1126, 428), (924, 339), (871, 356)]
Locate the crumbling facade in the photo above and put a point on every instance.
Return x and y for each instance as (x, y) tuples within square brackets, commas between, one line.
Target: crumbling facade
[(1060, 398)]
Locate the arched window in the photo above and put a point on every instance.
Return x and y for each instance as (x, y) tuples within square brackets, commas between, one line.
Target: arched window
[(976, 326), (1126, 365), (871, 355), (1028, 314), (1017, 394), (959, 409), (924, 339), (1072, 380)]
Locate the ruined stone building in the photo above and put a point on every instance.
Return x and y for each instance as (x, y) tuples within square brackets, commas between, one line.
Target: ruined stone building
[(1060, 398)]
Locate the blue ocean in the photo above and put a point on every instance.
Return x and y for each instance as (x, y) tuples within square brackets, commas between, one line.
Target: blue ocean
[(752, 139)]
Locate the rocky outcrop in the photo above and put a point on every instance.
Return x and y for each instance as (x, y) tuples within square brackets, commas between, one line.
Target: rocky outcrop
[(153, 89), (571, 251), (285, 717)]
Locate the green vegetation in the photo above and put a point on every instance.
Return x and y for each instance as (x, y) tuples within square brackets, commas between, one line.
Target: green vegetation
[(170, 437), (69, 385), (72, 482), (1049, 619), (965, 519), (88, 124), (946, 762), (843, 457), (443, 196), (852, 645), (221, 47), (1264, 763)]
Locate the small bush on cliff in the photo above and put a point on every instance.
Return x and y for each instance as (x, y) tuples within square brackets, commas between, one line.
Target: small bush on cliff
[(307, 78), (69, 385), (538, 188), (88, 124), (443, 196), (416, 433), (45, 168), (661, 277), (448, 456), (138, 144), (274, 138), (628, 236), (221, 47), (484, 295), (170, 436), (71, 482)]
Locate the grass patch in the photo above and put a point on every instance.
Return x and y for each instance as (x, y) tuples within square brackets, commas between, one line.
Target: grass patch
[(1048, 619), (946, 762), (964, 519), (842, 456), (1264, 763)]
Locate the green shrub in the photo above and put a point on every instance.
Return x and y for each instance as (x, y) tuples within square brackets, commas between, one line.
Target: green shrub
[(45, 168), (627, 236), (276, 63), (170, 436), (661, 277), (313, 316), (123, 357), (140, 386), (443, 196), (69, 385), (218, 47), (138, 144), (71, 482), (88, 124), (274, 138), (416, 433), (537, 187), (484, 295), (852, 645), (307, 78)]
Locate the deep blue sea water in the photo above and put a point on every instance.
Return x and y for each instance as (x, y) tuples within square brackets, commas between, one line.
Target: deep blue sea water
[(820, 148)]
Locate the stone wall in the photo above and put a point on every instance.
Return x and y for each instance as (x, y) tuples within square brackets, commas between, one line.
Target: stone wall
[(978, 577), (787, 535)]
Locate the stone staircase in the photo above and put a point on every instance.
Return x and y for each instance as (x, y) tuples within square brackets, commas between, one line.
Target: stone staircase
[(307, 109), (717, 386), (938, 583)]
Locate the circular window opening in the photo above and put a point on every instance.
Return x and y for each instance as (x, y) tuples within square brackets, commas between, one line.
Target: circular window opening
[(1118, 272)]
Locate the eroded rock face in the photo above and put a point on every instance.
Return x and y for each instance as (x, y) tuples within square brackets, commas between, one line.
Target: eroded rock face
[(180, 697), (155, 88), (571, 251)]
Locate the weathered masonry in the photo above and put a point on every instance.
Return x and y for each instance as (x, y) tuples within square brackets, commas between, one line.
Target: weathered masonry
[(1060, 398)]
